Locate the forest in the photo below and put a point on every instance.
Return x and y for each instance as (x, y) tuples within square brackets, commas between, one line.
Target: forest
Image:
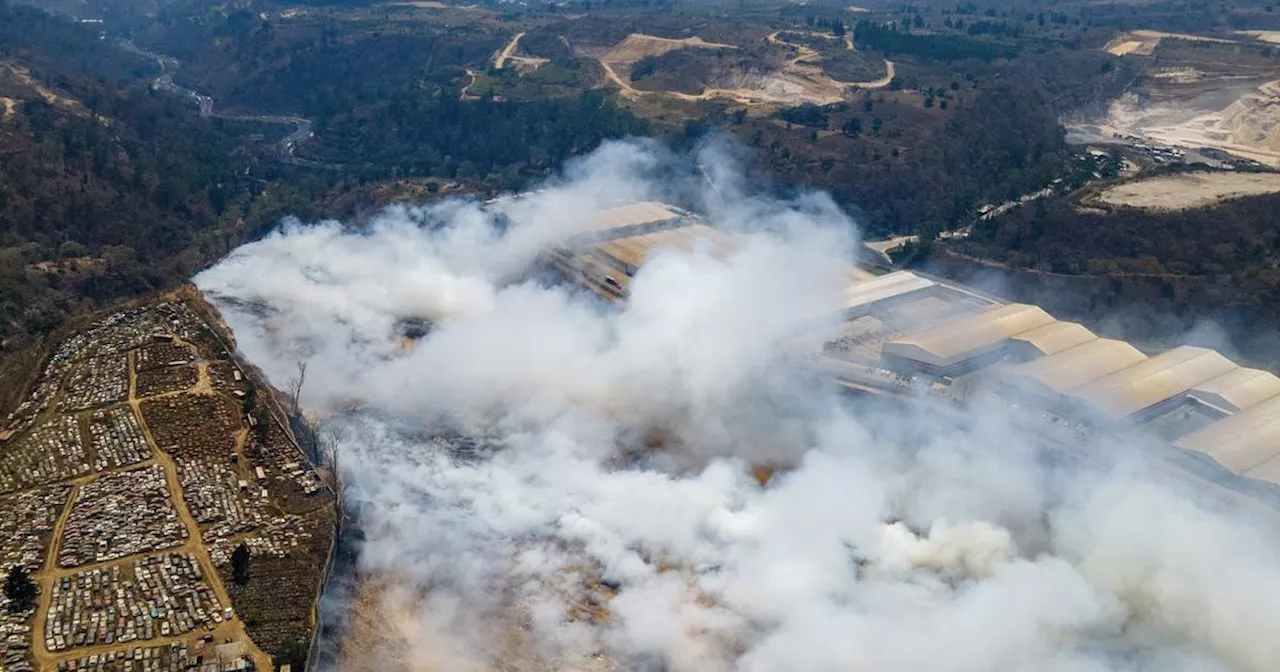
[(128, 189), (1149, 273), (109, 189), (1232, 237), (941, 47)]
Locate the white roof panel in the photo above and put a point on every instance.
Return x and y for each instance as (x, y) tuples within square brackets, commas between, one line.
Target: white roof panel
[(1055, 374), (1239, 389), (631, 214), (898, 283), (1055, 337), (1243, 441), (1151, 381), (957, 340)]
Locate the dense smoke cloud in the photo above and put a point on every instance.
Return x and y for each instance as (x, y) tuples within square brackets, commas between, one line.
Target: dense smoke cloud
[(609, 518)]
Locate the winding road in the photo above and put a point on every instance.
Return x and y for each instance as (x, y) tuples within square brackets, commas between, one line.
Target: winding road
[(800, 67), (302, 127)]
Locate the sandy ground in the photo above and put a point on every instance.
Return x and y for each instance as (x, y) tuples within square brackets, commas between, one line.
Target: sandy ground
[(7, 108), (1144, 42), (1272, 36), (637, 46), (1248, 127), (1189, 190)]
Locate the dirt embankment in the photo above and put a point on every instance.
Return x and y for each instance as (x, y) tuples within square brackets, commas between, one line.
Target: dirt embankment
[(1183, 107), (637, 46), (1188, 190), (1144, 42)]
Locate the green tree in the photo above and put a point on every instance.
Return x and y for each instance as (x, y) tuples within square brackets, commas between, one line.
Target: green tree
[(293, 653), (20, 590)]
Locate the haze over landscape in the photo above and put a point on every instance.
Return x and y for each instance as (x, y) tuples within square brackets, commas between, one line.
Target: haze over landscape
[(898, 538), (702, 336)]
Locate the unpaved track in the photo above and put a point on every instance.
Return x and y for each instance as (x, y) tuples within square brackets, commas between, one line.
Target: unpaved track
[(465, 94), (806, 53), (814, 84), (508, 50), (46, 660)]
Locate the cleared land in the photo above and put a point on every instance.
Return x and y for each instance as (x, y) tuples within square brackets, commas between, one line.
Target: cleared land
[(800, 80), (1189, 190), (1249, 127), (637, 46), (1144, 42), (1272, 36)]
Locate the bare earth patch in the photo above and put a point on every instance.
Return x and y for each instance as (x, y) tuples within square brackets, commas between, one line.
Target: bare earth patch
[(1144, 42), (1272, 36), (1189, 190), (800, 80), (1249, 127)]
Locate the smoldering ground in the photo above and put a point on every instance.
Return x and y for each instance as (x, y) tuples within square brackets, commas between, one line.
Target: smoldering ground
[(614, 520)]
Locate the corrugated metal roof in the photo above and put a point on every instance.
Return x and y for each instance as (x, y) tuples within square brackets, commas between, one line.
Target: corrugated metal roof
[(1152, 381), (631, 214), (957, 340), (1241, 442), (633, 250), (1055, 337), (867, 292), (1237, 390), (1054, 375)]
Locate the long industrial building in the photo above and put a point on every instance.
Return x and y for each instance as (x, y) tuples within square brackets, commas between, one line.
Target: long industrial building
[(1048, 379), (961, 345), (1246, 443), (902, 332)]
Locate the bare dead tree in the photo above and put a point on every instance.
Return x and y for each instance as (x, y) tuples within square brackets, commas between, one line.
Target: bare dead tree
[(295, 388), (332, 434)]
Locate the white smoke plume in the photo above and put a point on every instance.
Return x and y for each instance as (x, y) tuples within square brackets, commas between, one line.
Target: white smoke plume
[(608, 516)]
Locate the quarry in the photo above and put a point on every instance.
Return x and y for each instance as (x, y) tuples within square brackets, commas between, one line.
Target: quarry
[(1195, 93)]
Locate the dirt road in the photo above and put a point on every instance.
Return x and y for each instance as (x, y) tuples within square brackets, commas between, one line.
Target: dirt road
[(508, 50), (50, 572), (465, 94), (798, 81), (806, 53)]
